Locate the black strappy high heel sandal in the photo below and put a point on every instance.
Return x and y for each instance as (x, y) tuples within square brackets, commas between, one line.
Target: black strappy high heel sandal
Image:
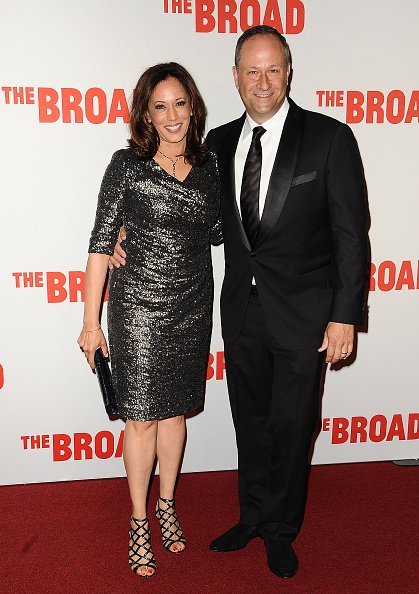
[(140, 540), (169, 525)]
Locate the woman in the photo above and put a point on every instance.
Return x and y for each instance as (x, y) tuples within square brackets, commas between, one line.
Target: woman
[(164, 190)]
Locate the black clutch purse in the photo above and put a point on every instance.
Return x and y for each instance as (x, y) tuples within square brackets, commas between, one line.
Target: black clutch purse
[(105, 382)]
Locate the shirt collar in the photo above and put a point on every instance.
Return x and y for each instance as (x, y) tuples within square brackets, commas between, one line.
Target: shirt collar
[(274, 125)]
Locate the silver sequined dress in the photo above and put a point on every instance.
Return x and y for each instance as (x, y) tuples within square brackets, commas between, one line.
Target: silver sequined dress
[(160, 303)]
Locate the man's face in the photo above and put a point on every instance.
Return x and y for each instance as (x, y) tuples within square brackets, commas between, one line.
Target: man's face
[(262, 76)]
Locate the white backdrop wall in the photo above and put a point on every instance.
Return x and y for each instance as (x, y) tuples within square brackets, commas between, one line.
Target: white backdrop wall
[(67, 70)]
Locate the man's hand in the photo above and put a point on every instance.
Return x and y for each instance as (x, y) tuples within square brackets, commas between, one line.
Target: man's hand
[(119, 255), (338, 340)]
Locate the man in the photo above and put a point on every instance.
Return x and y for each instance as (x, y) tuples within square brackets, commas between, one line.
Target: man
[(294, 227)]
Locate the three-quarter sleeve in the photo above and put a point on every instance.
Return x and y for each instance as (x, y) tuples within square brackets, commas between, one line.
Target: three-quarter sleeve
[(109, 212)]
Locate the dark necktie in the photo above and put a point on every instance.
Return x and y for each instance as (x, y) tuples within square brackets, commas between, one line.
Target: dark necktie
[(249, 195)]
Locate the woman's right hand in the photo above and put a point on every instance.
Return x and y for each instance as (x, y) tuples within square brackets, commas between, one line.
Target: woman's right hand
[(89, 341)]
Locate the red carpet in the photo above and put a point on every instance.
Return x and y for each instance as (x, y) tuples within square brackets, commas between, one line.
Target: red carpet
[(360, 536)]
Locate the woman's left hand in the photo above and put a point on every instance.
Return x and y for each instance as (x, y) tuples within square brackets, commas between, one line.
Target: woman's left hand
[(89, 341)]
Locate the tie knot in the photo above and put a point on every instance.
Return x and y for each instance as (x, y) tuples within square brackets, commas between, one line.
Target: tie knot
[(258, 132)]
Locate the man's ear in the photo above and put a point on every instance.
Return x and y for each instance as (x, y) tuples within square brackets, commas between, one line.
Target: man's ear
[(235, 76)]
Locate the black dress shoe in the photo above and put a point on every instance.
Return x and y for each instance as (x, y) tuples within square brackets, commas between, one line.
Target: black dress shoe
[(234, 539), (282, 560)]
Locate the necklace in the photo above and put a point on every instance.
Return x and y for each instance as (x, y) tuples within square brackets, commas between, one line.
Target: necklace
[(174, 161)]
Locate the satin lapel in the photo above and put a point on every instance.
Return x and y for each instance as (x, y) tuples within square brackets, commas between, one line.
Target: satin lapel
[(283, 170), (228, 182)]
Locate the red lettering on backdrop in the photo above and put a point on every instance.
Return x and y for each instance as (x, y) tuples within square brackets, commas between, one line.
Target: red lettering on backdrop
[(413, 426), (76, 285), (295, 12), (83, 447), (373, 270), (25, 440), (75, 108), (120, 446), (71, 99), (375, 100), (204, 21), (96, 109), (1, 376), (18, 95), (35, 442), (119, 107), (395, 101), (249, 15), (413, 109), (56, 291), (218, 371), (359, 429), (249, 8), (210, 368), (104, 444), (220, 365), (386, 276), (61, 450), (340, 430), (48, 111), (396, 428), (376, 430), (28, 279), (405, 277), (373, 107), (226, 11), (354, 110), (272, 16), (376, 107), (178, 6), (60, 287)]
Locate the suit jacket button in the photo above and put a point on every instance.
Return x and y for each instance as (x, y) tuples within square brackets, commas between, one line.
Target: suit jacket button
[(252, 254)]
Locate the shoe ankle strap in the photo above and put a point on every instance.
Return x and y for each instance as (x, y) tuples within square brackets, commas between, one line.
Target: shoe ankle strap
[(139, 521)]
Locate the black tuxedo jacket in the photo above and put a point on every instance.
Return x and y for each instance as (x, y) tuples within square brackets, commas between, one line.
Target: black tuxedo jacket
[(310, 258)]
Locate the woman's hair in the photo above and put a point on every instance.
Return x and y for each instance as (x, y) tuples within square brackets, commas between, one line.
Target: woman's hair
[(144, 137)]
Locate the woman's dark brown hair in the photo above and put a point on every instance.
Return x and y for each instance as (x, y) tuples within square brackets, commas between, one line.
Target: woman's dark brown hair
[(144, 138)]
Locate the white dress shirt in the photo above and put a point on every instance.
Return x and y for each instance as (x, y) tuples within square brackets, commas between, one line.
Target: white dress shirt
[(269, 141)]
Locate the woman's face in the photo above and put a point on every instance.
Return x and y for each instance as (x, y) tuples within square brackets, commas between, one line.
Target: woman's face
[(169, 110)]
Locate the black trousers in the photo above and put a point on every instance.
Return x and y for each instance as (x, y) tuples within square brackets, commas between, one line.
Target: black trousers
[(274, 402)]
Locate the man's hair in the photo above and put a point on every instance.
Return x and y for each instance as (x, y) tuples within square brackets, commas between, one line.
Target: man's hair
[(261, 30)]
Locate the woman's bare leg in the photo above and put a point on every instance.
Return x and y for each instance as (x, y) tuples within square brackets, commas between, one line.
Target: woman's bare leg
[(139, 454), (171, 434)]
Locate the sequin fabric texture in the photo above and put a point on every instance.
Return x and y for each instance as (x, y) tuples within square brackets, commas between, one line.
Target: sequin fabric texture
[(160, 303)]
